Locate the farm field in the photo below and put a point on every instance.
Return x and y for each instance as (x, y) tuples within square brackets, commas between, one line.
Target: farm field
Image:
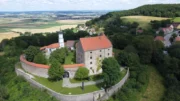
[(51, 29), (8, 35), (142, 20), (8, 26)]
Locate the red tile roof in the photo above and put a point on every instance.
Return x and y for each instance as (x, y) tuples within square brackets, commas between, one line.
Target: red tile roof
[(54, 45), (95, 43), (73, 66), (177, 38), (160, 38)]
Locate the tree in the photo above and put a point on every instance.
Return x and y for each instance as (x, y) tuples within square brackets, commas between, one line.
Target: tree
[(55, 71), (130, 49), (174, 50), (31, 52), (111, 71), (128, 59), (3, 93), (144, 44), (82, 73), (158, 45), (40, 58), (59, 55)]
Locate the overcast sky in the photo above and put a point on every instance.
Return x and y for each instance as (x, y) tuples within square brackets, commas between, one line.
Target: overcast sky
[(54, 5)]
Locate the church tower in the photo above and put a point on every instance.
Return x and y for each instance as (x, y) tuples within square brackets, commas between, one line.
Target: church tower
[(61, 39)]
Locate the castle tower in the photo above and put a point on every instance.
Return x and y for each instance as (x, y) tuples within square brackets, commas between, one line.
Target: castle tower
[(61, 39)]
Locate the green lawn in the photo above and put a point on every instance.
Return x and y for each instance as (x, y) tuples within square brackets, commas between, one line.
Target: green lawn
[(155, 89), (69, 59), (57, 86), (92, 78), (177, 19)]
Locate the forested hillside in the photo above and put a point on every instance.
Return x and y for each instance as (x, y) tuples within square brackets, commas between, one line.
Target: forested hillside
[(157, 10)]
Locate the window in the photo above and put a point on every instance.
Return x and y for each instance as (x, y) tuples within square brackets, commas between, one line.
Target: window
[(90, 62), (100, 56), (90, 57), (108, 54), (91, 52), (100, 50)]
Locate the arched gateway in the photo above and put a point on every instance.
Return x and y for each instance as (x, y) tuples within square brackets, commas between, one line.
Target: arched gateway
[(66, 74)]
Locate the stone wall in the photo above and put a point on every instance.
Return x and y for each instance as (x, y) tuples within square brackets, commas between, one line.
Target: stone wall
[(92, 56), (35, 69), (93, 96), (42, 70)]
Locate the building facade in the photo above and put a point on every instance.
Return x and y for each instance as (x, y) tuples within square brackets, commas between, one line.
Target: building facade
[(91, 51), (52, 47)]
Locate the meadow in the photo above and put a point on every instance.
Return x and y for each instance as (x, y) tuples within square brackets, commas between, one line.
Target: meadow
[(142, 20), (10, 27), (177, 19)]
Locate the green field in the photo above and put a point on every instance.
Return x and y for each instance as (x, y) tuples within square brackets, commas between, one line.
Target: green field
[(177, 19), (57, 86), (21, 24), (155, 89), (142, 20)]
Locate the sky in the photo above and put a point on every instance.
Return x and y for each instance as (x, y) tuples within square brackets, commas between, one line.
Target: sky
[(60, 5)]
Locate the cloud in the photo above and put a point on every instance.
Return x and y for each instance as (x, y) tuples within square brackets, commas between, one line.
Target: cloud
[(3, 1), (76, 4)]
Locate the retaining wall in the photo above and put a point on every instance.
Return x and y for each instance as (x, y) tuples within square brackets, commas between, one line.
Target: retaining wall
[(94, 96), (42, 70)]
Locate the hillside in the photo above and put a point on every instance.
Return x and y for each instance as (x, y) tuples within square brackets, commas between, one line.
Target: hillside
[(144, 21), (157, 10)]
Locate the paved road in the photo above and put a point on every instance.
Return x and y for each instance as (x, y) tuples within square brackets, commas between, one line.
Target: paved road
[(167, 42), (167, 37)]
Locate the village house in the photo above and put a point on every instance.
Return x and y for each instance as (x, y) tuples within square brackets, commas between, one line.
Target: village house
[(91, 50), (166, 30), (159, 38)]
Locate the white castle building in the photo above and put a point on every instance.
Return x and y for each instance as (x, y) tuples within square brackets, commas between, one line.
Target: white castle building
[(52, 47), (92, 50)]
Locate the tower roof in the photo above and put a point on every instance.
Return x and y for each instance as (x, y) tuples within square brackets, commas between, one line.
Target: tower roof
[(54, 45)]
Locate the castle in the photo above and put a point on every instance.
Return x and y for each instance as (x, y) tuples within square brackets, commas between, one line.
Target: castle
[(90, 51)]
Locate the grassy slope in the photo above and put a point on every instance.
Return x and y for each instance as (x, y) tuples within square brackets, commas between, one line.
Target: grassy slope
[(57, 86), (155, 89), (142, 20), (177, 19)]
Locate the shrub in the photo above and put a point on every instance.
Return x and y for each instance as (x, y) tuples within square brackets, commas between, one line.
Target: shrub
[(31, 52), (56, 71), (40, 58), (82, 73)]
